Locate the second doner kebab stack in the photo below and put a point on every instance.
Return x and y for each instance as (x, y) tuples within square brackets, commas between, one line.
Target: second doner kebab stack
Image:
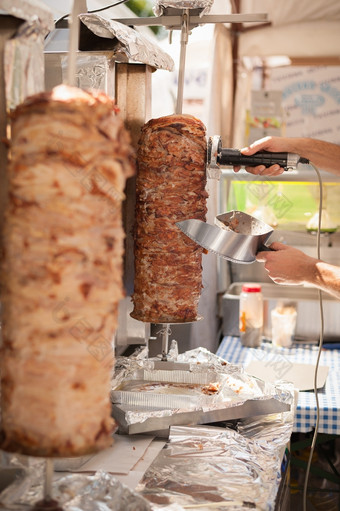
[(171, 182), (62, 272)]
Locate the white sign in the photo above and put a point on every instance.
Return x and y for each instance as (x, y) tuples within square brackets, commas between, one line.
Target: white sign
[(310, 100)]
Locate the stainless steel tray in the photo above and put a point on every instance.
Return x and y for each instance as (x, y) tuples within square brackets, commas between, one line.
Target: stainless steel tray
[(160, 425)]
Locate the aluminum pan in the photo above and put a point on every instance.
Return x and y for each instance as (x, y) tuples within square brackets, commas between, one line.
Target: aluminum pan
[(236, 389), (166, 389)]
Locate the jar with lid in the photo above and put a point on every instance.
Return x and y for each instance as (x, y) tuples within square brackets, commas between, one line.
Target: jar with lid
[(251, 315)]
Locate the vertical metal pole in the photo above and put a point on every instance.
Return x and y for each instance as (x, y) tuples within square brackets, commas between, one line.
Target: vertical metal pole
[(165, 332), (48, 479), (181, 71), (74, 23)]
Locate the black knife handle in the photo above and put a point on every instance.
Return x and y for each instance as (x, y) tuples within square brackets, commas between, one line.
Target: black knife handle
[(264, 248), (234, 157)]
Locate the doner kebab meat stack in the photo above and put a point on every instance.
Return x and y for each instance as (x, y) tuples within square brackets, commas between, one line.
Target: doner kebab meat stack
[(62, 271), (171, 182)]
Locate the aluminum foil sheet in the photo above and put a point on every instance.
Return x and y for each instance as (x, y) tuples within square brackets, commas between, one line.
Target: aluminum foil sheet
[(214, 468), (24, 63), (74, 492), (205, 5), (176, 391), (23, 53), (33, 11), (272, 429), (91, 71), (131, 44)]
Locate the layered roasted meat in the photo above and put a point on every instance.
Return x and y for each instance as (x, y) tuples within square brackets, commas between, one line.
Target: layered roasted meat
[(62, 271), (171, 182)]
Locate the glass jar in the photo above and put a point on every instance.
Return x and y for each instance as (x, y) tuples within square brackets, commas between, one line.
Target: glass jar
[(251, 315)]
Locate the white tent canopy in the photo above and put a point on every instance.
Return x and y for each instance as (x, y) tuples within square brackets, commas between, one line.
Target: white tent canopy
[(311, 39), (306, 32), (297, 29), (284, 12)]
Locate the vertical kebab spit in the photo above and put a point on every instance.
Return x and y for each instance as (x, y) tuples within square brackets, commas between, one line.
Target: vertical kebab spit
[(62, 272), (171, 182)]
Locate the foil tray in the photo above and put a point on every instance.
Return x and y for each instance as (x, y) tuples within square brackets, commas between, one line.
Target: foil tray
[(149, 400), (162, 389)]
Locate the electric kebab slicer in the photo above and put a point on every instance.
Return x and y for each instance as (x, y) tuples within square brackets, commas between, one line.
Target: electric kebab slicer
[(217, 157)]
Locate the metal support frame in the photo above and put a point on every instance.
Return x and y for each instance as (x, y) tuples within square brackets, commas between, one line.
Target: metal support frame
[(322, 438), (173, 19), (185, 20)]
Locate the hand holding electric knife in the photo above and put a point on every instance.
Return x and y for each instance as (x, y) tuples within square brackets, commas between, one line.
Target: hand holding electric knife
[(242, 244), (257, 159)]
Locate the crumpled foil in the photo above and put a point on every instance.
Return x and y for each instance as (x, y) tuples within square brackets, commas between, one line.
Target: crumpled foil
[(275, 429), (202, 466), (91, 71), (74, 492), (24, 52), (131, 44), (24, 63), (205, 5), (32, 11), (235, 385)]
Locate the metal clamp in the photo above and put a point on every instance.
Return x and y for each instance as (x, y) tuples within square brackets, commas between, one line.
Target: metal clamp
[(213, 147)]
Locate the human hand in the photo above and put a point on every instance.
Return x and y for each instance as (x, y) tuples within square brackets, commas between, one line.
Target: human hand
[(288, 265), (271, 144)]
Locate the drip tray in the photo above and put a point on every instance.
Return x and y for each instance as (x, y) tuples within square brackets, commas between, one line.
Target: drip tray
[(152, 400), (197, 387)]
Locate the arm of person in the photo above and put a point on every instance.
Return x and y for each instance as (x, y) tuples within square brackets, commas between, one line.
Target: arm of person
[(323, 155), (290, 266)]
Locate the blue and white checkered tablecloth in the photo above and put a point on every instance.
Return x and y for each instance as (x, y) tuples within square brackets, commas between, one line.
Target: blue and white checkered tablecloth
[(232, 350)]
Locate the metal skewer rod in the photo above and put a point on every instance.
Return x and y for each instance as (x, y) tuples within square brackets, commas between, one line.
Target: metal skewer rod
[(47, 503), (74, 23), (181, 71), (165, 332), (49, 470)]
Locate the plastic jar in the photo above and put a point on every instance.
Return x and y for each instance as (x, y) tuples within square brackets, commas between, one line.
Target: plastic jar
[(251, 315)]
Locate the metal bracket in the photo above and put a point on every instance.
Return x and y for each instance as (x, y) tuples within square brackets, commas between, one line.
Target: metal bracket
[(213, 169), (185, 20)]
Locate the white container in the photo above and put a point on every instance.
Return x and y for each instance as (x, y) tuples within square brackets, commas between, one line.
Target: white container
[(306, 302), (251, 315), (283, 326)]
